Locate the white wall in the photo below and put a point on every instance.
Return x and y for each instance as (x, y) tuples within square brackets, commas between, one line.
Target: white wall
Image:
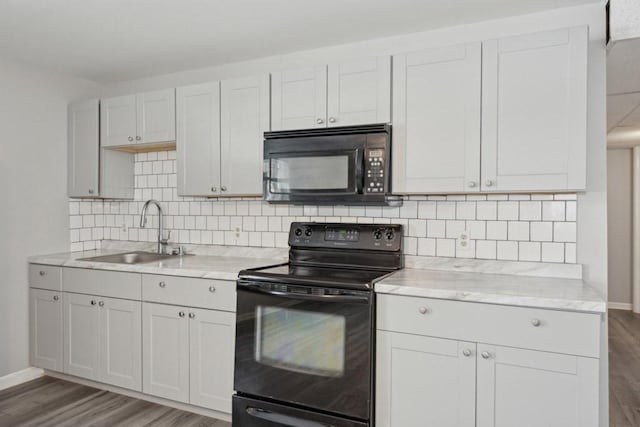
[(34, 216), (619, 199)]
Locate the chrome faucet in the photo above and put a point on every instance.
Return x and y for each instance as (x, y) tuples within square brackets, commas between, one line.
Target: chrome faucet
[(162, 242)]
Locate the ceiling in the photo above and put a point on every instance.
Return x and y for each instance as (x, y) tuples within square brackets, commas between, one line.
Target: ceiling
[(114, 40), (623, 94)]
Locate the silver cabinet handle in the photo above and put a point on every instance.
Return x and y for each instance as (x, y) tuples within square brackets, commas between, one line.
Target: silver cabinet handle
[(488, 183), (319, 121), (90, 191), (472, 184), (130, 138), (536, 322), (101, 303), (423, 310), (93, 302), (332, 120), (181, 314), (466, 352), (214, 189), (192, 315), (162, 284), (42, 273), (56, 297), (138, 138), (223, 188), (212, 288), (485, 355)]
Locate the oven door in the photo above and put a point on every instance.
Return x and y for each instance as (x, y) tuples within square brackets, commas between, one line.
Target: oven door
[(304, 345)]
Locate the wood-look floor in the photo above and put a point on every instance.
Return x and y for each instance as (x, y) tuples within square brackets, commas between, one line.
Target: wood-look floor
[(624, 368), (49, 402)]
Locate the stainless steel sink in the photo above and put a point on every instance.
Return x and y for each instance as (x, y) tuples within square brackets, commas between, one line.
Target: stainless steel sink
[(137, 257)]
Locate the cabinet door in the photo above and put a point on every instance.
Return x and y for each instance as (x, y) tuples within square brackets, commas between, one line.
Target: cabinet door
[(534, 111), (212, 342), (83, 150), (81, 336), (165, 350), (118, 121), (424, 381), (156, 116), (528, 388), (45, 329), (299, 98), (245, 118), (198, 139), (121, 343), (359, 92), (436, 120)]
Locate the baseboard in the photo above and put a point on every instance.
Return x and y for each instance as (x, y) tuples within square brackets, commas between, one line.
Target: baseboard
[(619, 305), (142, 396), (15, 378)]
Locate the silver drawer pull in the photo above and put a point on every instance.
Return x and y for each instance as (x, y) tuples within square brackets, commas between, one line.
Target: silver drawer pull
[(56, 297), (93, 302), (485, 355), (162, 284), (181, 314), (101, 303), (466, 352), (536, 322), (192, 315), (423, 310), (42, 273), (212, 288)]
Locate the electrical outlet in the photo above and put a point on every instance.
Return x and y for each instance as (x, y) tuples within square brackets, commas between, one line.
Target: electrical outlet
[(463, 240), (237, 230), (124, 228)]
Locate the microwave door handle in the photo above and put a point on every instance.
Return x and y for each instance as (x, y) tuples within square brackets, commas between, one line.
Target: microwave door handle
[(359, 171), (306, 297), (285, 420)]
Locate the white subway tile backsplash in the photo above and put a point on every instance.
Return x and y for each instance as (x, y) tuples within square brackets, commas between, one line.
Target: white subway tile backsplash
[(538, 227)]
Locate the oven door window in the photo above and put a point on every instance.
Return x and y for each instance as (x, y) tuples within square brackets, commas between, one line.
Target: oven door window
[(314, 173), (300, 341)]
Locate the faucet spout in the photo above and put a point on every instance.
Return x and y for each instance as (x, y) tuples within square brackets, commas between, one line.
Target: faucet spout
[(143, 222)]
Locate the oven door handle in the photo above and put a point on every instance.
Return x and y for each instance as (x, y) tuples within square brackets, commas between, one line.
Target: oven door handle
[(321, 298), (283, 419)]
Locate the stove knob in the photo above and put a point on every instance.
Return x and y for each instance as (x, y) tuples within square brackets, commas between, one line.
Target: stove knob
[(298, 232), (390, 235), (308, 232), (377, 234)]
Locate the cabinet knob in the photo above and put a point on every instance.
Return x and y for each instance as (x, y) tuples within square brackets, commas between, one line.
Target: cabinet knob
[(56, 297), (130, 138), (162, 284), (223, 188), (488, 183), (466, 352), (138, 138), (423, 310), (332, 120), (101, 303), (319, 121), (212, 288), (42, 273), (214, 189), (192, 315), (93, 302), (536, 322), (471, 184), (485, 355), (90, 191), (181, 314)]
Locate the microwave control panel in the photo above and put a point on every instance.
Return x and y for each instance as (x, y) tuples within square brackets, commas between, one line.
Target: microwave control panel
[(374, 180)]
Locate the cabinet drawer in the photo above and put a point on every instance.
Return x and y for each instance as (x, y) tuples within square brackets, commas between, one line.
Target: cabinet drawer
[(45, 277), (115, 284), (188, 291), (536, 329)]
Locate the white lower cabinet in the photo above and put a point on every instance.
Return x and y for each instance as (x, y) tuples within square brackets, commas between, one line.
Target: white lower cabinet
[(46, 329), (102, 339), (188, 355)]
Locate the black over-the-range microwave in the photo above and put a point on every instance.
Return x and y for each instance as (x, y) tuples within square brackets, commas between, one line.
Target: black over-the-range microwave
[(349, 165)]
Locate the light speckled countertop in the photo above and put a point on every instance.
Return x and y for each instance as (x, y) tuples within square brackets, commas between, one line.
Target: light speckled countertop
[(540, 292), (221, 267)]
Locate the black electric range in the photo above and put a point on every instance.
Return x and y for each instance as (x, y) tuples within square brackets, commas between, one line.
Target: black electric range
[(305, 329)]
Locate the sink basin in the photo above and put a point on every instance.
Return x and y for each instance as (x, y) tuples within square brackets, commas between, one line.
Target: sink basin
[(138, 257)]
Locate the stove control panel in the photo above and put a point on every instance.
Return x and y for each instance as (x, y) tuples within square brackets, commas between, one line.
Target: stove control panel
[(374, 237)]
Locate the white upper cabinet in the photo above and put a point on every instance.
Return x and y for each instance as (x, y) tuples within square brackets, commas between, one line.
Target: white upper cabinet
[(359, 92), (350, 93), (198, 139), (534, 111), (138, 119), (299, 98), (244, 119), (83, 149), (118, 124), (436, 120)]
